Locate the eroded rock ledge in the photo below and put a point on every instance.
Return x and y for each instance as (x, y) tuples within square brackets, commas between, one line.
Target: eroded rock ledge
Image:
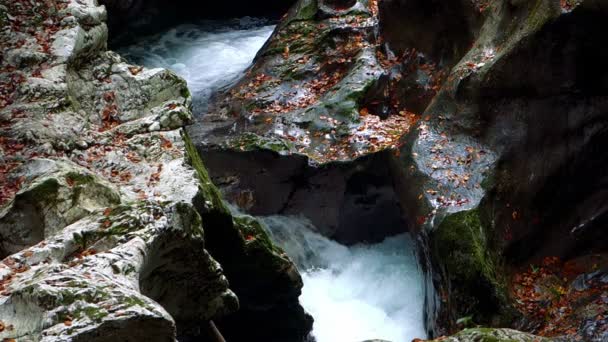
[(110, 227)]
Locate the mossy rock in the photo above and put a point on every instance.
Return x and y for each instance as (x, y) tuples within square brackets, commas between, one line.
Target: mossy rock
[(493, 335), (462, 245), (304, 10), (210, 198), (252, 142)]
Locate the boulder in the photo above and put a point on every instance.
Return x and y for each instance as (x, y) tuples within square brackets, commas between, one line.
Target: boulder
[(494, 335), (498, 143)]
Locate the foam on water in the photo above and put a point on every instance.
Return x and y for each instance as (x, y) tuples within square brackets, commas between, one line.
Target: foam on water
[(354, 293), (208, 55)]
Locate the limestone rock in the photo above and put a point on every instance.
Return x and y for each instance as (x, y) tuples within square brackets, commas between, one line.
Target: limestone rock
[(303, 95), (493, 335), (127, 274), (105, 204), (54, 195)]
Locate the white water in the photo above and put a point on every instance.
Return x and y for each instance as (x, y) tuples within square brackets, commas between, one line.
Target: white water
[(354, 293), (208, 55)]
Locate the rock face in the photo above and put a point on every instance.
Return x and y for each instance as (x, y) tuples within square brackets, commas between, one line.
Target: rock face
[(110, 227), (58, 193), (489, 117), (503, 135), (493, 335), (283, 140), (303, 94)]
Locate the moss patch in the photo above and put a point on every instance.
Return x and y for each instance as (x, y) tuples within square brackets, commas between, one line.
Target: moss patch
[(251, 142), (45, 191), (254, 235), (76, 178), (462, 245), (211, 195), (493, 335)]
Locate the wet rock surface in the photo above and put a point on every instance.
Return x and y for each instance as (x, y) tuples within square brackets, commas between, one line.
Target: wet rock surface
[(497, 335), (292, 136), (108, 217), (490, 114), (349, 202), (496, 159), (476, 125), (303, 95)]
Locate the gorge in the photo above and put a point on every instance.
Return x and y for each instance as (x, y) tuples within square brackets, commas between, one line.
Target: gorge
[(313, 170)]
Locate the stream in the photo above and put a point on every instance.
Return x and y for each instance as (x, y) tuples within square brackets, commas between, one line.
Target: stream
[(354, 293), (209, 54)]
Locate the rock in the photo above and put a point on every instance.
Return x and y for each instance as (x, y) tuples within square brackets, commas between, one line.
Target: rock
[(105, 204), (499, 166), (349, 202), (265, 280), (267, 284), (297, 142), (486, 159), (303, 94), (128, 274), (494, 335), (54, 195)]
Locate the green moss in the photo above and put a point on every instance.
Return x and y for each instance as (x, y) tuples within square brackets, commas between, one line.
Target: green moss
[(79, 178), (93, 313), (82, 291), (211, 195), (493, 335), (306, 11), (252, 230), (251, 142), (185, 92), (268, 258), (128, 269), (45, 191), (462, 245), (122, 220), (540, 14), (461, 240), (134, 301)]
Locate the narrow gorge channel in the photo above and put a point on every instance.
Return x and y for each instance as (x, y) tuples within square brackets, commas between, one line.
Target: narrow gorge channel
[(371, 288), (303, 171)]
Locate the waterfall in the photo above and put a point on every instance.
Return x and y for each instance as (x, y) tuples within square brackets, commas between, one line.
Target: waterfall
[(354, 293)]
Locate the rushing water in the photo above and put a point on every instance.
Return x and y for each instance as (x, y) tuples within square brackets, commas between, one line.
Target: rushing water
[(354, 293), (208, 55)]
